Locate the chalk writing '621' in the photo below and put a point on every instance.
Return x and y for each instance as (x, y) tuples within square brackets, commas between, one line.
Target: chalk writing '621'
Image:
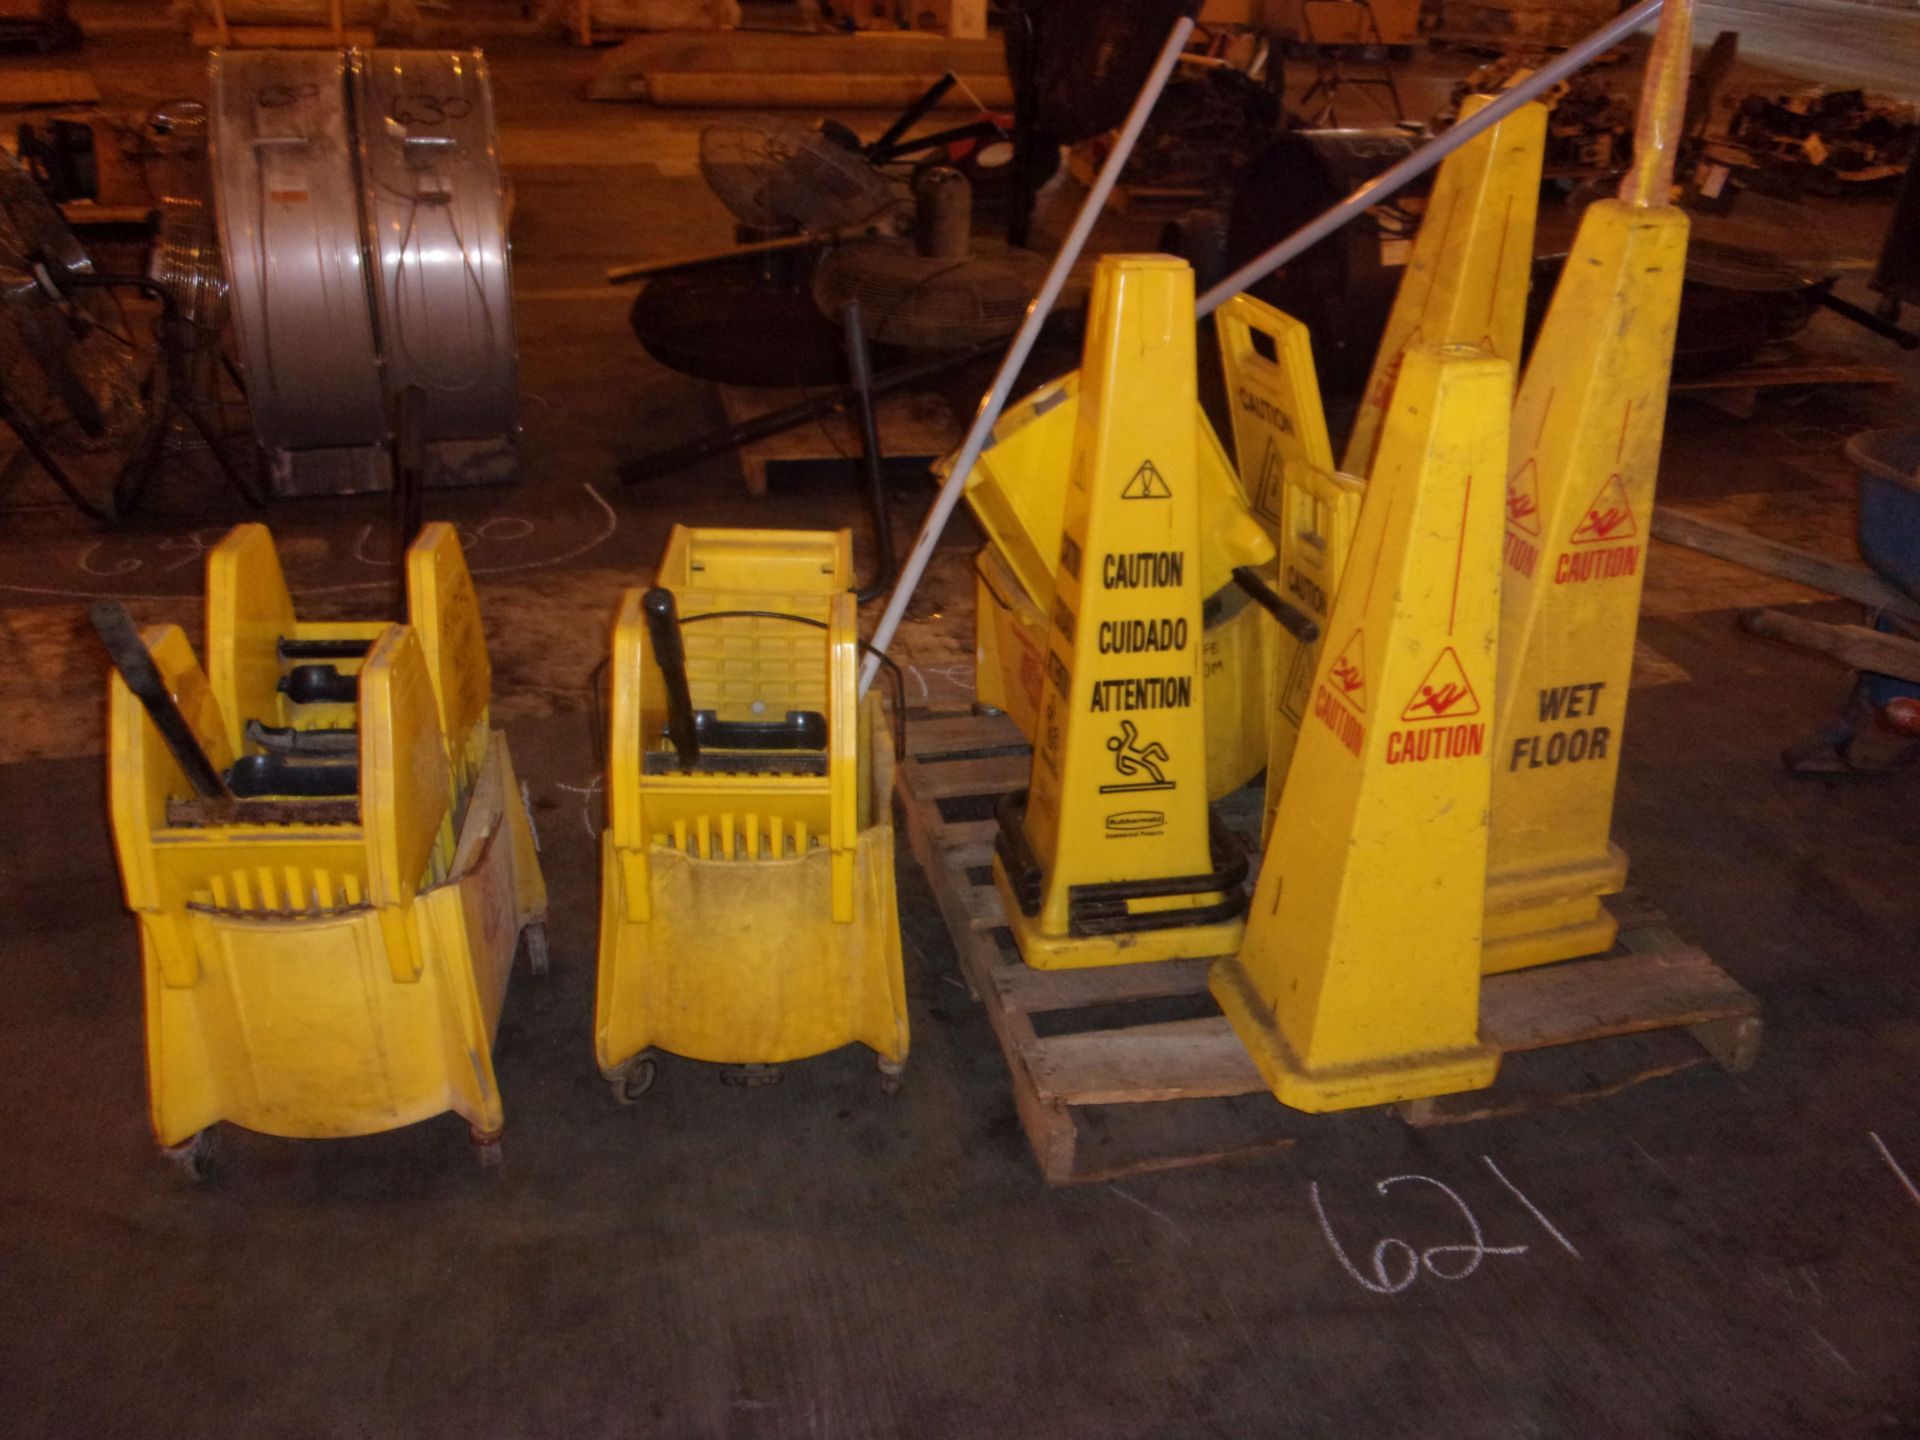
[(1394, 1264)]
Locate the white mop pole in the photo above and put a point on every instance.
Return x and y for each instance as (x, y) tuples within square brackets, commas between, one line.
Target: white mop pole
[(1427, 156), (996, 397)]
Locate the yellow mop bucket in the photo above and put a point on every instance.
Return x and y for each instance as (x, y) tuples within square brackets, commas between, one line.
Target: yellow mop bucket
[(747, 912), (330, 893), (1018, 492)]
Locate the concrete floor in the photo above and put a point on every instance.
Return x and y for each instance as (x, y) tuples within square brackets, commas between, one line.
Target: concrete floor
[(1707, 1256)]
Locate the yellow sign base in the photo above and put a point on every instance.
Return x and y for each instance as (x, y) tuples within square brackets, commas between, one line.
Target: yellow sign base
[(1359, 979), (1538, 917), (1382, 1081)]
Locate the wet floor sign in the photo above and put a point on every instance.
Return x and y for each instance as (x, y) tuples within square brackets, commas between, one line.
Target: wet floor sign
[(1110, 857), (1280, 431), (1586, 449), (1465, 283), (1466, 280), (1358, 982)]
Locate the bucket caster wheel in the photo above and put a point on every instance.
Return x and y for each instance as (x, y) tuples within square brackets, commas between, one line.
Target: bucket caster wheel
[(750, 1077), (487, 1149), (634, 1079), (535, 936), (193, 1158), (893, 1074)]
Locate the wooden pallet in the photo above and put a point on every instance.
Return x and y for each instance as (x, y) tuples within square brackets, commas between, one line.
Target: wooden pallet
[(916, 428), (1112, 1075)]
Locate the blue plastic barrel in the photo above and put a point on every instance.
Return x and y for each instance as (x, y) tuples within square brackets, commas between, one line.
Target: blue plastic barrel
[(1889, 466)]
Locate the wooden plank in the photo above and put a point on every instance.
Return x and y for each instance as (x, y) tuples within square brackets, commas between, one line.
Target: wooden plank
[(1049, 1128), (1734, 1043), (1769, 557), (47, 85), (1674, 1055), (767, 62), (283, 37), (985, 911), (1034, 990), (952, 839), (965, 854), (1175, 1060), (994, 775), (961, 735), (89, 212), (1764, 377), (1620, 995), (1855, 645)]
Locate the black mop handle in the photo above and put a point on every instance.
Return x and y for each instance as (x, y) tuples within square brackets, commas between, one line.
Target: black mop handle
[(663, 629), (130, 657), (1298, 623)]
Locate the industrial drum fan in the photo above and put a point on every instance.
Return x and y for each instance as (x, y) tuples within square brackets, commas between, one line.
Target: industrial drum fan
[(363, 217), (289, 218)]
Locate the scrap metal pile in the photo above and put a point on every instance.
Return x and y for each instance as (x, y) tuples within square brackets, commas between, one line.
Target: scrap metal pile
[(1845, 134)]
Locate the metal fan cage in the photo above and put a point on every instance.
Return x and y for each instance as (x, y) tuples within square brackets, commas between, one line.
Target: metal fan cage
[(187, 262), (69, 370), (779, 175), (919, 303)]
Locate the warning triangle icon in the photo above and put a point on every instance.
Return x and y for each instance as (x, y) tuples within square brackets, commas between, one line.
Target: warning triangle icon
[(1348, 674), (1523, 498), (1609, 519), (1266, 488), (1147, 484), (1446, 693)]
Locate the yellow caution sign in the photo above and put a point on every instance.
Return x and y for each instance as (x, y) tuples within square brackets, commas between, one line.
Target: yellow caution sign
[(1359, 979), (1018, 492), (1280, 434), (1586, 449), (1111, 857), (1466, 281)]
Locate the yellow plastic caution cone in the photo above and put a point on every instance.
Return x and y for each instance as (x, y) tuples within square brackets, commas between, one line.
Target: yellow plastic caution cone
[(1280, 432), (1359, 979), (1466, 281), (1586, 449), (1110, 857), (1018, 492)]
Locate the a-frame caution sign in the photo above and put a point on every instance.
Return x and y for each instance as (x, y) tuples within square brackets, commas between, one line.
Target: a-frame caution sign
[(1110, 858), (1358, 982)]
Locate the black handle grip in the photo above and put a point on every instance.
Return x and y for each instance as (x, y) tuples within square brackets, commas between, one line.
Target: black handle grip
[(129, 654), (1298, 623), (663, 629)]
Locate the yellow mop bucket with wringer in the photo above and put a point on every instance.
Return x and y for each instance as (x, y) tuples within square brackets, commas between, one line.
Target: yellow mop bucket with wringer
[(328, 855), (748, 914)]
